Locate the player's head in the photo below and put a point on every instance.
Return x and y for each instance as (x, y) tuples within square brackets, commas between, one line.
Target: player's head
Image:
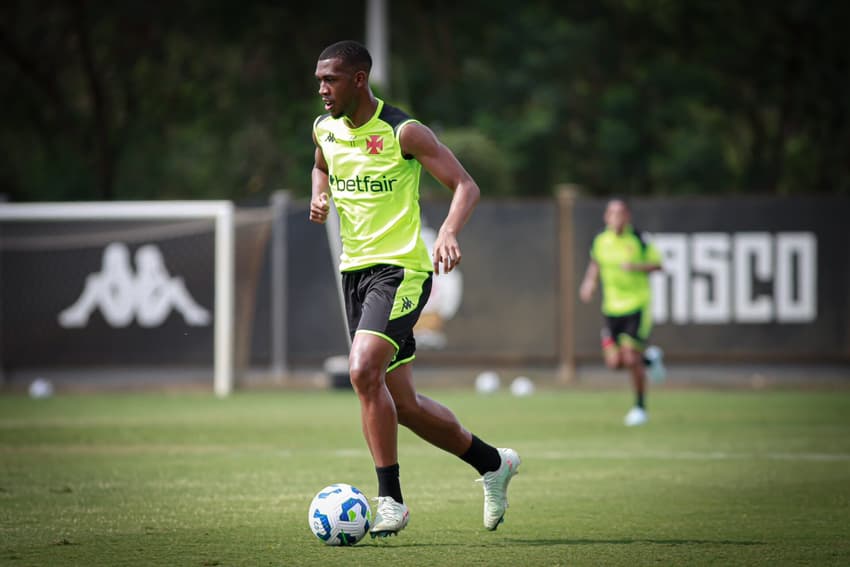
[(617, 214), (343, 74), (352, 55)]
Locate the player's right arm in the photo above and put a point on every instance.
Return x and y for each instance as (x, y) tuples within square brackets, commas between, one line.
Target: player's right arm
[(320, 203), (588, 284)]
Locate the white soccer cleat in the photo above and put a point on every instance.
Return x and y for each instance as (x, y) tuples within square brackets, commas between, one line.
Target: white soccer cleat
[(496, 488), (636, 416), (655, 370), (390, 517)]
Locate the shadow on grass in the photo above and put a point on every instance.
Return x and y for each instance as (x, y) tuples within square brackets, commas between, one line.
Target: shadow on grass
[(567, 541), (627, 541)]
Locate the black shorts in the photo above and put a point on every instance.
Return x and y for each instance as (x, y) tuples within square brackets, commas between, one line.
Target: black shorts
[(386, 301), (630, 330)]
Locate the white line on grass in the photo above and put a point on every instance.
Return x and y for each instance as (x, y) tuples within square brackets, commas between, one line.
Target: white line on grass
[(650, 455), (690, 456), (647, 455), (424, 451)]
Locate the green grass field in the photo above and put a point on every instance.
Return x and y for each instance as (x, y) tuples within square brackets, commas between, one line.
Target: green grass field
[(716, 478)]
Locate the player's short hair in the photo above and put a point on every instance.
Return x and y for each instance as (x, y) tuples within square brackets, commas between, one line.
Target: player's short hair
[(621, 199), (354, 55)]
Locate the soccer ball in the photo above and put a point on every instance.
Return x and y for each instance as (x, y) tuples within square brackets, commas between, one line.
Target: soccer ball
[(487, 382), (522, 386), (340, 515)]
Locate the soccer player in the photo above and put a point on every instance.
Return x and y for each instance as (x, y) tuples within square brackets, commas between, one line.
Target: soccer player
[(623, 259), (368, 158)]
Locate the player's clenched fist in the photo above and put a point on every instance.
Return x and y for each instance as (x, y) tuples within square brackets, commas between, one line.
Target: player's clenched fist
[(319, 208)]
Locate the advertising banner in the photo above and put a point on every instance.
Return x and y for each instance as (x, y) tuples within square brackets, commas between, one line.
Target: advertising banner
[(743, 278), (104, 293)]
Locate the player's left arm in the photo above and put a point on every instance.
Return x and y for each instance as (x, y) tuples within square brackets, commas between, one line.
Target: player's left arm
[(419, 141), (643, 267), (651, 261)]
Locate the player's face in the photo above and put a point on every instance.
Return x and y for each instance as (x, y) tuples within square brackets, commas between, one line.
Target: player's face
[(616, 216), (336, 87)]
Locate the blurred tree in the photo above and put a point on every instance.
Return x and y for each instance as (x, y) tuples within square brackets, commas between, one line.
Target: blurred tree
[(150, 100), (488, 163), (215, 99), (644, 96)]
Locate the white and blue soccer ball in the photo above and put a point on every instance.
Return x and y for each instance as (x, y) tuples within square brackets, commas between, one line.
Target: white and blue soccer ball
[(340, 515)]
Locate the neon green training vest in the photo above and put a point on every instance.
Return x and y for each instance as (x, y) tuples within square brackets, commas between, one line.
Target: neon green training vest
[(375, 189), (623, 292)]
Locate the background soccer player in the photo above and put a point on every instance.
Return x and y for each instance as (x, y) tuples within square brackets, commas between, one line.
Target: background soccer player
[(623, 259), (369, 157)]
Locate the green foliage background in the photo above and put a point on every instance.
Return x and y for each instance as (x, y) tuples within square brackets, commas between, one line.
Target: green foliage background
[(106, 100)]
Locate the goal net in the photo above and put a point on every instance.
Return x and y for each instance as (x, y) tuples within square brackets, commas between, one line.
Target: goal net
[(133, 285)]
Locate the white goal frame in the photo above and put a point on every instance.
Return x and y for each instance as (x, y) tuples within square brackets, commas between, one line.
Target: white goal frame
[(220, 211)]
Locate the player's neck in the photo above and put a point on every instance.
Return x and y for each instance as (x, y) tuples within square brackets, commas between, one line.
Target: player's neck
[(364, 111)]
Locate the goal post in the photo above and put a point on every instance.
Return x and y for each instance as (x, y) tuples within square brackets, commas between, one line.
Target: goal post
[(222, 212)]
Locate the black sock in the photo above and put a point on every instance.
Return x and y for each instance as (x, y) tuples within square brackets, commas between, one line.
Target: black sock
[(639, 402), (483, 457), (388, 482)]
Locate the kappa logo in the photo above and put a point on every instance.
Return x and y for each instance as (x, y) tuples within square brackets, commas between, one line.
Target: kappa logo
[(406, 304), (375, 144), (148, 295), (332, 139)]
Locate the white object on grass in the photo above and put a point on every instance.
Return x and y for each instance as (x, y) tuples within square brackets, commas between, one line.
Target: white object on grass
[(522, 386), (487, 382), (40, 388)]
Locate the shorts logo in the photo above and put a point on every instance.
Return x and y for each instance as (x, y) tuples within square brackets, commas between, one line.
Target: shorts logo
[(406, 304), (375, 144)]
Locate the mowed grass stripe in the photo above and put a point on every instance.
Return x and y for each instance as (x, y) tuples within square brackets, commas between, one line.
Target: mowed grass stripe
[(716, 478)]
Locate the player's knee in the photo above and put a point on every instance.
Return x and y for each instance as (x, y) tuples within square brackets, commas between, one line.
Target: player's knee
[(365, 377), (405, 412), (631, 358), (407, 409), (612, 361)]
